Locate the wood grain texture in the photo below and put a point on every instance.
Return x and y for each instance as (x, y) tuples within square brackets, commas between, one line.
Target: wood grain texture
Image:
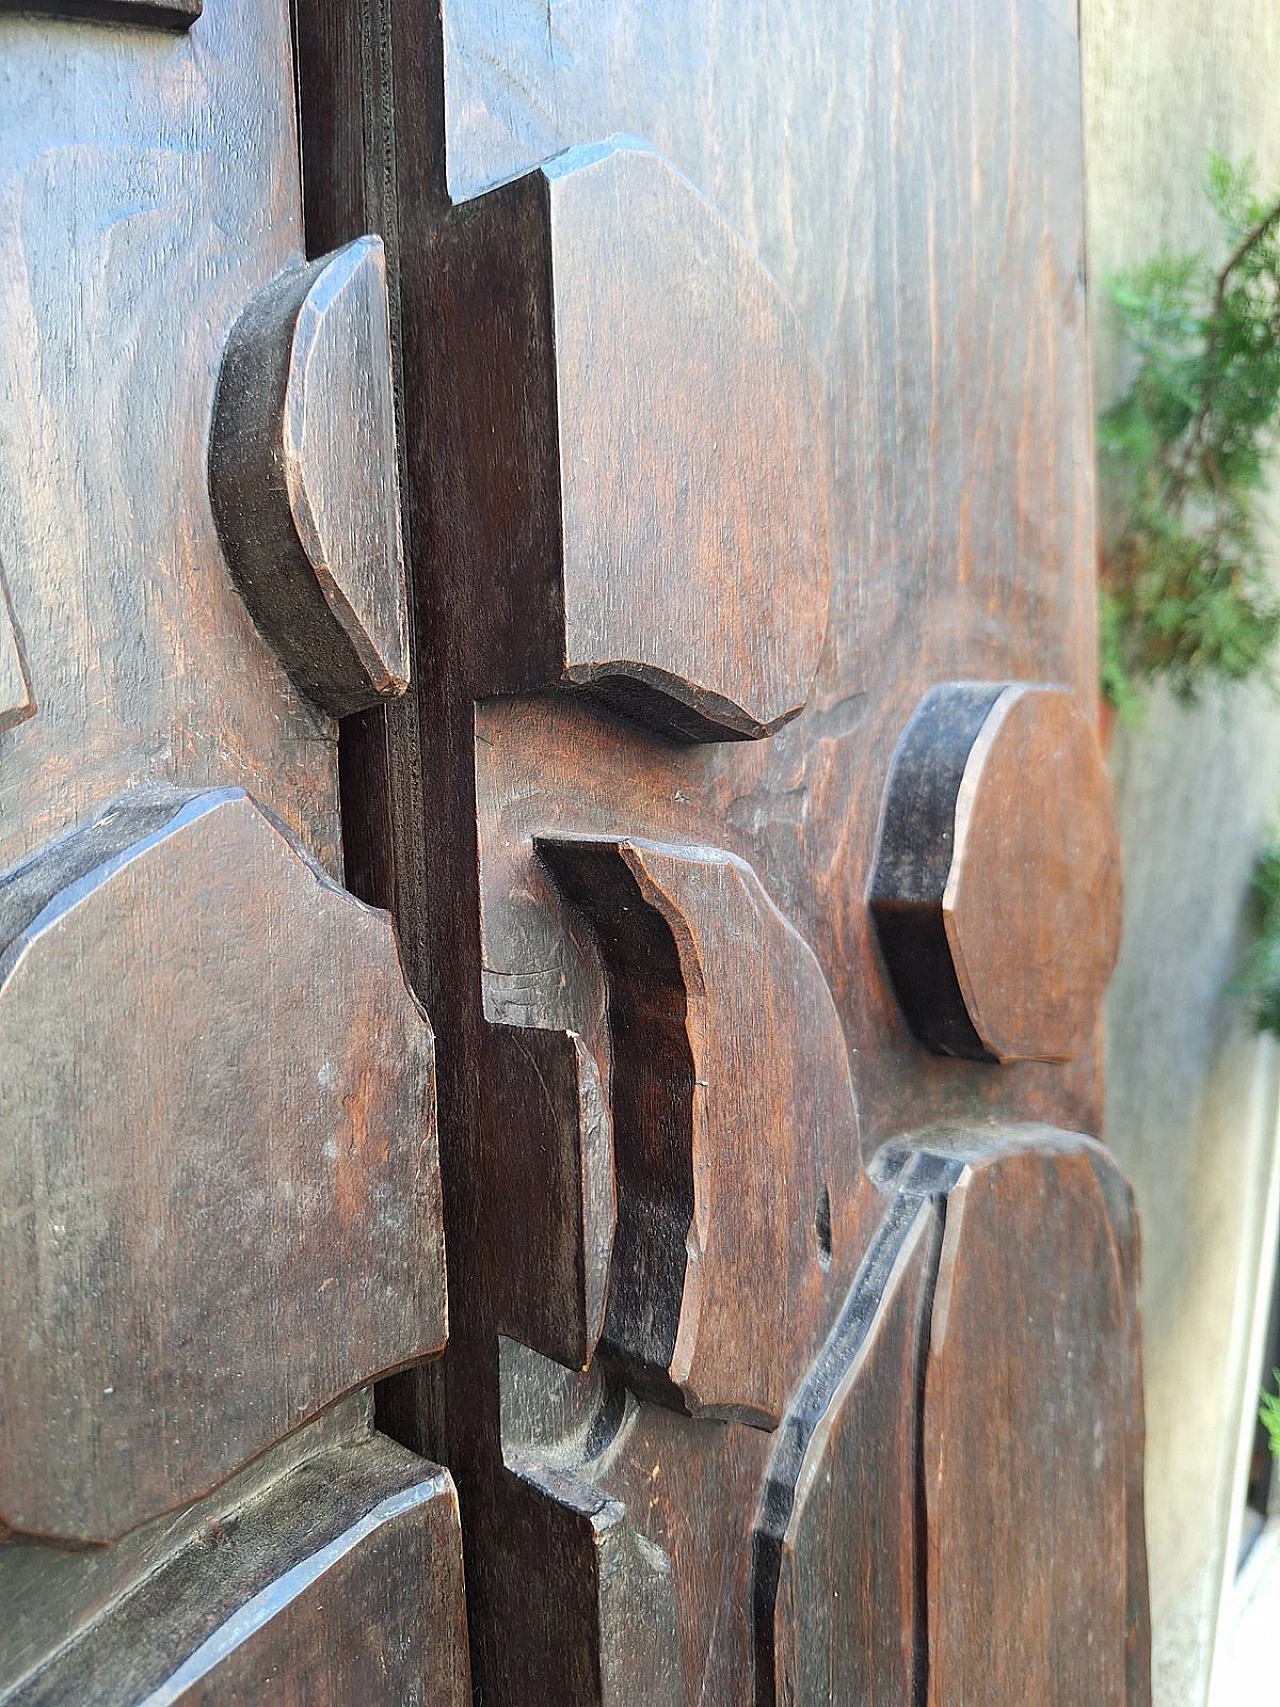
[(17, 702), (304, 478), (996, 888), (910, 176), (834, 1566), (220, 1160), (281, 1595), (615, 340), (558, 1163), (1026, 1418), (148, 190), (735, 1126), (1137, 1611), (615, 1643)]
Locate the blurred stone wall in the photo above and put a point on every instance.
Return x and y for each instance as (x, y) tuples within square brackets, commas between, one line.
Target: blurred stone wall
[(1191, 1092)]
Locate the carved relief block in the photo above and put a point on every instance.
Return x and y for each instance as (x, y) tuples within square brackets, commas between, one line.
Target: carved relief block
[(643, 466), (302, 468), (217, 1159)]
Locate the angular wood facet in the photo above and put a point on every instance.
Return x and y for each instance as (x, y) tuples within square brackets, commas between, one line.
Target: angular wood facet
[(834, 1571), (560, 1169), (217, 1157), (654, 503), (17, 702), (303, 474), (996, 889), (616, 1586), (282, 1596), (1027, 1404), (735, 1126)]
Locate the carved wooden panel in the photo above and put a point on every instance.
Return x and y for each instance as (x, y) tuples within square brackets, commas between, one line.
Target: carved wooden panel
[(218, 1091), (279, 1594), (220, 1213), (716, 771), (711, 1203)]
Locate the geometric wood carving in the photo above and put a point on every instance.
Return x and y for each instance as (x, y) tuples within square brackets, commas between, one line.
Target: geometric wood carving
[(217, 1158), (17, 702), (303, 476), (929, 293), (834, 1572), (645, 425), (285, 1595), (977, 1399), (559, 1170), (734, 1122), (614, 1590), (996, 889), (1025, 1439)]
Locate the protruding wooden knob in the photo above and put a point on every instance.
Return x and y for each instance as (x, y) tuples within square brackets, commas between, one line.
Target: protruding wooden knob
[(996, 890), (303, 476)]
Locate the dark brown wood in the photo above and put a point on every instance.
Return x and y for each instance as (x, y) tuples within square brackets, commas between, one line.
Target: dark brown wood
[(996, 888), (615, 1641), (280, 1595), (1029, 1297), (218, 1092), (152, 190), (218, 1194), (611, 336), (17, 702), (724, 448), (735, 1129), (925, 221), (310, 517), (835, 1571)]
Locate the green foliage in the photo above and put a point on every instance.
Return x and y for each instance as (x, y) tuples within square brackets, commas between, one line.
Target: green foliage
[(1259, 978), (1185, 595), (1269, 1411)]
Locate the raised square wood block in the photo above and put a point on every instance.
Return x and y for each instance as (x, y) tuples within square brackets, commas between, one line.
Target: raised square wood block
[(639, 459)]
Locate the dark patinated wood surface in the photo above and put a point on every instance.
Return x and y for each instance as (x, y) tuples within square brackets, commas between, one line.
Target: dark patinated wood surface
[(996, 887), (735, 361), (279, 1594), (303, 477), (909, 180), (250, 1117), (219, 1192), (633, 506)]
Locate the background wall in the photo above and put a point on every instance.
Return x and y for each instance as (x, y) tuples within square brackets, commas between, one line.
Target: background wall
[(1191, 1091)]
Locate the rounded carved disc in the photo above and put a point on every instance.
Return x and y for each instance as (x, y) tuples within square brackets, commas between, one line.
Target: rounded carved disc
[(1032, 902), (996, 891)]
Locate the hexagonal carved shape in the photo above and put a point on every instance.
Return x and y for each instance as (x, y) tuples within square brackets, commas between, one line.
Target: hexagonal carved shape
[(639, 463), (217, 1159), (996, 888), (303, 477)]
